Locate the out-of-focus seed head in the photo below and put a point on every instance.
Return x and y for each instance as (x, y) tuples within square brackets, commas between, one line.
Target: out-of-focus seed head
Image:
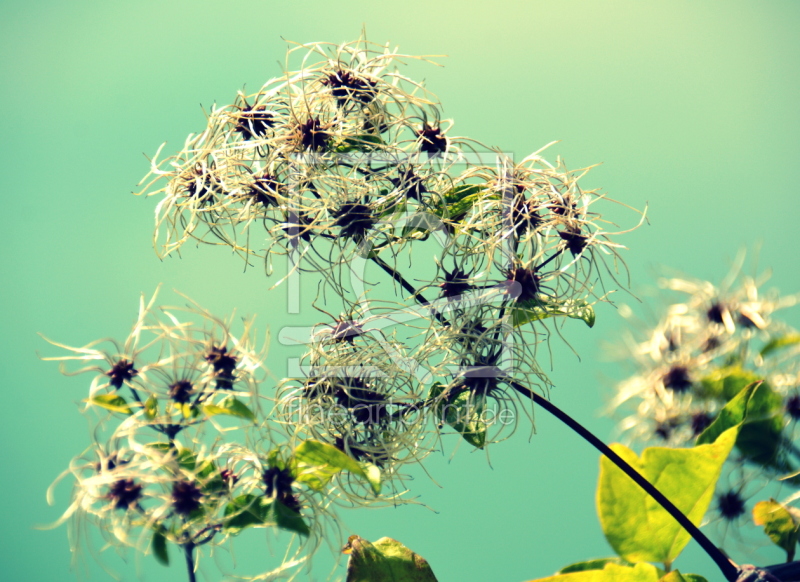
[(731, 505), (278, 484), (700, 422), (186, 497), (677, 379), (793, 406), (224, 365), (181, 391), (124, 493)]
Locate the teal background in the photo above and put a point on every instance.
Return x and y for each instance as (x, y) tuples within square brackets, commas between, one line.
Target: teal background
[(692, 107)]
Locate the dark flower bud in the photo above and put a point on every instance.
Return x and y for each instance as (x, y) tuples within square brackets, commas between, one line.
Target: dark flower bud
[(312, 135), (354, 220), (254, 121), (523, 284), (279, 486), (455, 283)]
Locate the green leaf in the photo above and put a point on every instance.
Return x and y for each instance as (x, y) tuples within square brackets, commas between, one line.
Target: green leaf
[(733, 414), (464, 413), (610, 573), (639, 529), (245, 511), (544, 307), (458, 200), (112, 402), (779, 523), (232, 407), (287, 518), (315, 464), (596, 564), (780, 342), (357, 143), (385, 560), (160, 547), (725, 383), (676, 576), (151, 407)]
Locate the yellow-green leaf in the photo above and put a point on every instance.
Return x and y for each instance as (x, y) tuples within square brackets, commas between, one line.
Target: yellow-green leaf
[(112, 402), (315, 463), (610, 573), (640, 530), (542, 308), (232, 407), (780, 342), (151, 407), (385, 560), (780, 524)]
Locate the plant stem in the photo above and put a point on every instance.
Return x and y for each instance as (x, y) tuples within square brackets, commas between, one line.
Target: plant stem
[(188, 552), (729, 570)]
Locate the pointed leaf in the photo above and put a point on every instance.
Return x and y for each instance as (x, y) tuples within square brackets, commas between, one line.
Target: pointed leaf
[(542, 308), (733, 414), (315, 464), (245, 511), (464, 413), (287, 518), (160, 547), (610, 573), (780, 524), (726, 383), (232, 407), (639, 529), (151, 407), (780, 342), (386, 559), (112, 402), (596, 564)]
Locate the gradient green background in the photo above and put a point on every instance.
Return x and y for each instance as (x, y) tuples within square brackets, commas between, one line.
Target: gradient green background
[(693, 108)]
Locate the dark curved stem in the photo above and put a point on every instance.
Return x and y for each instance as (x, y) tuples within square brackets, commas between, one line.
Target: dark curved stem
[(394, 274), (188, 552), (729, 570)]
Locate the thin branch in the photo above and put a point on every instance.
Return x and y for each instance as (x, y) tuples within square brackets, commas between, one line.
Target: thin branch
[(729, 569), (188, 552)]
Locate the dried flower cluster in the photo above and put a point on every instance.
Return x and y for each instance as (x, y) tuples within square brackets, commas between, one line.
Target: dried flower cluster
[(339, 167), (698, 357)]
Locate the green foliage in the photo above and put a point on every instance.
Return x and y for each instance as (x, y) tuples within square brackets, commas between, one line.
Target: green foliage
[(543, 308), (232, 407), (315, 463), (610, 572), (259, 511), (596, 564), (463, 413), (780, 342), (725, 383), (634, 524), (780, 523), (386, 559), (112, 402), (160, 547)]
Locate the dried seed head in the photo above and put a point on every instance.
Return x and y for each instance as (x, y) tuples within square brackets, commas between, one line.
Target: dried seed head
[(730, 505), (455, 283), (354, 220), (124, 493), (523, 284), (432, 140), (181, 391), (793, 406), (409, 183), (365, 405), (279, 486), (346, 330), (254, 121), (265, 189), (186, 497), (121, 372), (345, 85), (576, 242), (312, 135), (700, 422), (224, 366), (524, 214), (677, 379), (716, 312)]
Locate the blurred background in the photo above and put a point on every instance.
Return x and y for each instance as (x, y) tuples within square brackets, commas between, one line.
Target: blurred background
[(692, 109)]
